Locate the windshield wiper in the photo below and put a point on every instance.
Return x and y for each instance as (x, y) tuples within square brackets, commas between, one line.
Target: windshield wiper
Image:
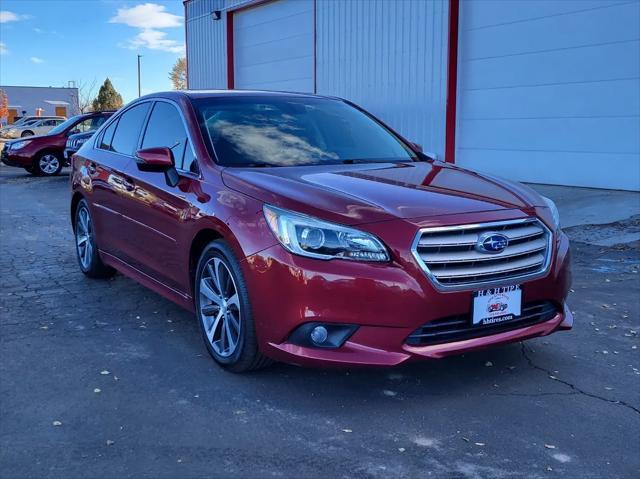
[(353, 161), (254, 164)]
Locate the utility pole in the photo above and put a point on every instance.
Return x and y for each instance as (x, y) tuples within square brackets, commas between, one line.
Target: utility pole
[(139, 89)]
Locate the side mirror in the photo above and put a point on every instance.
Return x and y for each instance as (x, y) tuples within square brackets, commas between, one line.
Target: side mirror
[(159, 160), (417, 146)]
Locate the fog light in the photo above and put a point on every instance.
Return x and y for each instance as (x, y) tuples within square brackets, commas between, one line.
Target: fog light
[(322, 335), (319, 334)]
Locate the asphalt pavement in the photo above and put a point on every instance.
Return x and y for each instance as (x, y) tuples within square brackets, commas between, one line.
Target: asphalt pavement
[(105, 379)]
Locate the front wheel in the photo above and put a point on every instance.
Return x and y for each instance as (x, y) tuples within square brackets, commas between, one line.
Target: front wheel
[(47, 164), (224, 312), (86, 249), (26, 133)]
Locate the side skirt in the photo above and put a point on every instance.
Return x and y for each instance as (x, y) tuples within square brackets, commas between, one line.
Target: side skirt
[(178, 297)]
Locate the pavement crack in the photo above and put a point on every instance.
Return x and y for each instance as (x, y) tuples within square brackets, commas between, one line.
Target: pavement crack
[(573, 386)]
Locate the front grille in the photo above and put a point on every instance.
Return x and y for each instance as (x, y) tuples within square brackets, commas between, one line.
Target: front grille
[(459, 328), (451, 260)]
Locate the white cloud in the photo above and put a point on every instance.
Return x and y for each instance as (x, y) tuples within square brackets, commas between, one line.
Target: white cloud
[(7, 16), (3, 48), (36, 60), (150, 18), (147, 16), (155, 40)]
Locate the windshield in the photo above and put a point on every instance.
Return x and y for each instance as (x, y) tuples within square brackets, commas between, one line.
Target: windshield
[(291, 131), (64, 125)]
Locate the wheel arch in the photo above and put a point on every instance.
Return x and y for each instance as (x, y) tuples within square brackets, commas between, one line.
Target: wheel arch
[(48, 149), (208, 232), (75, 201)]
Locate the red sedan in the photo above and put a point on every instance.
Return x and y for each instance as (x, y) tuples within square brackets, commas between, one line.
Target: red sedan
[(302, 229), (44, 155)]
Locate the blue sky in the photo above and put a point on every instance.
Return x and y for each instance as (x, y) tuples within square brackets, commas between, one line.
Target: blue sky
[(50, 42)]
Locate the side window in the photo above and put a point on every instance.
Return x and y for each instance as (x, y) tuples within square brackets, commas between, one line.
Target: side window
[(107, 136), (165, 128), (189, 162), (97, 121), (125, 138), (89, 124)]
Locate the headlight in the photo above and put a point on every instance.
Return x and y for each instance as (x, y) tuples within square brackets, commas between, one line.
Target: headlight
[(319, 239), (554, 211), (20, 144), (12, 130)]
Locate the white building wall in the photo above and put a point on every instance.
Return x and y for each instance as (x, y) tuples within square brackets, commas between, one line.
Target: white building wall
[(206, 45), (549, 91), (32, 98), (388, 56)]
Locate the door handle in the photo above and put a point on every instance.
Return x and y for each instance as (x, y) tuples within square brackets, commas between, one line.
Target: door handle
[(128, 185)]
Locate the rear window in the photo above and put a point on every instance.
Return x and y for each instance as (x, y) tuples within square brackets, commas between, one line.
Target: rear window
[(107, 136), (125, 139)]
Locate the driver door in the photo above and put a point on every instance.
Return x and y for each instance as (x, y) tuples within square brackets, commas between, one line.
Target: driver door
[(159, 214)]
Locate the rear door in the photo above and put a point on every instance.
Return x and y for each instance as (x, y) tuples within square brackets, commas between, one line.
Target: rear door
[(110, 191), (159, 215), (43, 126)]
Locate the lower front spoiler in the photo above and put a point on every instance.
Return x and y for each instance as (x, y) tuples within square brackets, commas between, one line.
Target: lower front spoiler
[(366, 346), (16, 161)]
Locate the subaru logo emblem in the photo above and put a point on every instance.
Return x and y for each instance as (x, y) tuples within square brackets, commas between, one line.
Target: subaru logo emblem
[(492, 243)]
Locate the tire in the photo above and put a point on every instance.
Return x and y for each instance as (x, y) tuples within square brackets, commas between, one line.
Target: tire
[(86, 249), (47, 164), (219, 278), (26, 133)]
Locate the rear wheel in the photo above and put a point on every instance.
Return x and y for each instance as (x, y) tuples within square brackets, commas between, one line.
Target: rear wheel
[(47, 164), (224, 312), (86, 249)]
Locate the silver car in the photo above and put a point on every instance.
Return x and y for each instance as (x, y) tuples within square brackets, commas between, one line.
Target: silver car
[(31, 128)]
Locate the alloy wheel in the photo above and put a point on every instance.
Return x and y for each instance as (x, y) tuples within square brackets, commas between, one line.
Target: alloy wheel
[(84, 238), (49, 164), (220, 307)]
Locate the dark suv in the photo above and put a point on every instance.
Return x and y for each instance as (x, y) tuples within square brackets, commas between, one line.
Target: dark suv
[(44, 155)]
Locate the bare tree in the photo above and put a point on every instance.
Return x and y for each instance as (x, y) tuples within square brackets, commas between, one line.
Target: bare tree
[(86, 95), (178, 74)]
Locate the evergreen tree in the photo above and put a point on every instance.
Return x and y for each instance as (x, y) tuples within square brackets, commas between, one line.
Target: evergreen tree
[(108, 98)]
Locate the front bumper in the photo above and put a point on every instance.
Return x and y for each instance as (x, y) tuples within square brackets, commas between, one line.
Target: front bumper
[(68, 152), (9, 136), (388, 303), (13, 158)]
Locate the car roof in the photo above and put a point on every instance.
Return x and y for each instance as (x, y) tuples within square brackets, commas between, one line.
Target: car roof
[(196, 94)]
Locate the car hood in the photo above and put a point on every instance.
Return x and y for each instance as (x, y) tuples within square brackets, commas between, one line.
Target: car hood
[(362, 193)]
